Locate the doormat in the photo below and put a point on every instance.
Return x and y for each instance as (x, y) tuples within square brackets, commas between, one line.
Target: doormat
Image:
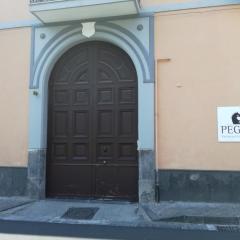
[(80, 213)]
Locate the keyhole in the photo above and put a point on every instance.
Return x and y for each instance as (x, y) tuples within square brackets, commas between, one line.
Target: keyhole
[(105, 149)]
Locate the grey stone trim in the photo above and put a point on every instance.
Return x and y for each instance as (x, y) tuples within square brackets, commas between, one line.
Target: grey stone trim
[(32, 54), (146, 176), (51, 41), (136, 52), (95, 2), (99, 20), (35, 86), (137, 4), (13, 181), (147, 56), (152, 47), (49, 47), (127, 33), (166, 7), (199, 186), (38, 23), (36, 173), (51, 5), (19, 24)]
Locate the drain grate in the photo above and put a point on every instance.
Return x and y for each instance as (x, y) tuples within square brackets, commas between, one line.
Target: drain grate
[(80, 213)]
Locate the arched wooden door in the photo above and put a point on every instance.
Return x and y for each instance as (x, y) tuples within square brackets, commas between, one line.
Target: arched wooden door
[(93, 124)]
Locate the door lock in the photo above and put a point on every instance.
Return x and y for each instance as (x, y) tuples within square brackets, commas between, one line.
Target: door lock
[(105, 149), (104, 162)]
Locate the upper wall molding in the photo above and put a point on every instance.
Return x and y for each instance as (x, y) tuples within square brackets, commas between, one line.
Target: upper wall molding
[(165, 7), (19, 24)]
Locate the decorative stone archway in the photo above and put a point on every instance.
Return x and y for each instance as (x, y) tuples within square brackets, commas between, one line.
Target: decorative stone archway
[(134, 36)]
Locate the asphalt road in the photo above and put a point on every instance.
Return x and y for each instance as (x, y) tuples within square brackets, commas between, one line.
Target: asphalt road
[(50, 231)]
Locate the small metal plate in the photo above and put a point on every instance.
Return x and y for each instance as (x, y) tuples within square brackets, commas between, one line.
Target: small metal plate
[(80, 213)]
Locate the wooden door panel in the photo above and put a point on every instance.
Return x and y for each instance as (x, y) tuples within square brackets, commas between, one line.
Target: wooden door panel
[(81, 76), (127, 120), (80, 125), (105, 123), (127, 152), (61, 120), (127, 95), (105, 151), (92, 124), (105, 96), (60, 152), (61, 97), (80, 152), (70, 180), (80, 97), (117, 181)]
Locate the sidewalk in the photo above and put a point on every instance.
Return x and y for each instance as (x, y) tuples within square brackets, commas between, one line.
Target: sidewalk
[(7, 203), (104, 212), (174, 215), (215, 216)]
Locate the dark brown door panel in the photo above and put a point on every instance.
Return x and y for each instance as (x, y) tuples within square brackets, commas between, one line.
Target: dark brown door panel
[(93, 124)]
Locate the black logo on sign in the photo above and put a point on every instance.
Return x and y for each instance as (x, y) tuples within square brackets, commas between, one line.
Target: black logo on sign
[(236, 118)]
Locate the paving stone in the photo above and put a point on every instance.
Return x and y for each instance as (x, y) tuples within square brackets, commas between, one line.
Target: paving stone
[(9, 203)]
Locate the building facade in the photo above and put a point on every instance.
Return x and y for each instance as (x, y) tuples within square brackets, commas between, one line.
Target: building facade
[(120, 99)]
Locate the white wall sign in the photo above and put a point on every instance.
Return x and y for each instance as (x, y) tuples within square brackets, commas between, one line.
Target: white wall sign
[(228, 124)]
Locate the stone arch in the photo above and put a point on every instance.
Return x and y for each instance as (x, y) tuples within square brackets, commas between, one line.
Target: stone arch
[(71, 36), (41, 70)]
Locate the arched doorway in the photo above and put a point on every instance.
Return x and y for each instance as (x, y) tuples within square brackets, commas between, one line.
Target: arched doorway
[(93, 124)]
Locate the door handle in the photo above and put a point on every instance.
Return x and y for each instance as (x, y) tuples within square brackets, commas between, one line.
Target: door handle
[(104, 162)]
